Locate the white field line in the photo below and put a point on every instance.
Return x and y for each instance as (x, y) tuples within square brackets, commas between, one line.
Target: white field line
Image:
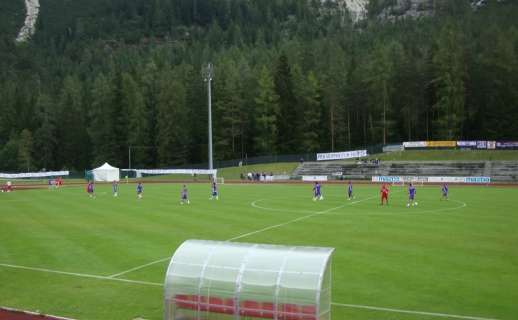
[(75, 274), (155, 284), (294, 220), (245, 234), (138, 267), (423, 313)]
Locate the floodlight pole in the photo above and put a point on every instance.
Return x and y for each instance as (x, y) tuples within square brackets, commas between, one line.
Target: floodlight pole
[(129, 157), (208, 79)]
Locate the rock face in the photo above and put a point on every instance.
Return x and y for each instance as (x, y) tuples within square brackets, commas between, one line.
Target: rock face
[(408, 9), (400, 9), (357, 8), (29, 27)]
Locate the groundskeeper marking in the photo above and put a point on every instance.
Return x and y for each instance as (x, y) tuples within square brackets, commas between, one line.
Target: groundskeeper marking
[(155, 284)]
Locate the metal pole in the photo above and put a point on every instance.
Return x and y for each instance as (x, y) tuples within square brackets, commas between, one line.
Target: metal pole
[(209, 79), (129, 157)]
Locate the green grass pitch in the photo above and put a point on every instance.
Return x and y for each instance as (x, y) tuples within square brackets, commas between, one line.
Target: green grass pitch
[(456, 257)]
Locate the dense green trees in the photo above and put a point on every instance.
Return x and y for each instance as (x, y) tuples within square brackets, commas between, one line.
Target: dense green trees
[(102, 77)]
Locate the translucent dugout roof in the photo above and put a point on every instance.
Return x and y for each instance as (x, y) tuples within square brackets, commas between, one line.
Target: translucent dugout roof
[(230, 280)]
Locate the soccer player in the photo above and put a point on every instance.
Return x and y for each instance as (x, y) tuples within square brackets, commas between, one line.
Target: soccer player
[(184, 196), (350, 190), (115, 188), (90, 189), (140, 190), (411, 196), (384, 194), (444, 190), (214, 191), (317, 192)]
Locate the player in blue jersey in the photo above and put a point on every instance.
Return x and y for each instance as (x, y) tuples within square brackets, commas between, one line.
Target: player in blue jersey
[(317, 192), (140, 190), (115, 188), (350, 191), (214, 191), (444, 190), (411, 196), (184, 195)]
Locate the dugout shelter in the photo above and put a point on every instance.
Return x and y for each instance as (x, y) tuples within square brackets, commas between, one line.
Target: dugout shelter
[(230, 280)]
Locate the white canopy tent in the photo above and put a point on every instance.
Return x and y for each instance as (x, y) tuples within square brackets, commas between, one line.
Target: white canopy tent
[(106, 173)]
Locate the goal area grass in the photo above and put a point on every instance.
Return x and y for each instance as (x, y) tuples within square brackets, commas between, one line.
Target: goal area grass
[(66, 254)]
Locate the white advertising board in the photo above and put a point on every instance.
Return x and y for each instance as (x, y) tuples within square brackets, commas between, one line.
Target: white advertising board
[(413, 179), (414, 144), (177, 171), (314, 178), (34, 174), (386, 179), (341, 155)]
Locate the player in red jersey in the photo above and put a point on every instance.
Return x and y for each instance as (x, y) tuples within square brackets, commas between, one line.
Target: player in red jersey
[(384, 194)]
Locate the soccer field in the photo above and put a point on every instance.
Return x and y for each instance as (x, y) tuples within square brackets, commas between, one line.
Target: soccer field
[(66, 254)]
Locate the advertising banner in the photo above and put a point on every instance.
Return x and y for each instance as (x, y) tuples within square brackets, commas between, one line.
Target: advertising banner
[(387, 179), (393, 148), (414, 144), (446, 179), (34, 174), (415, 179), (314, 178), (341, 155), (176, 171), (467, 144), (507, 145), (477, 180), (441, 144), (491, 145), (481, 144)]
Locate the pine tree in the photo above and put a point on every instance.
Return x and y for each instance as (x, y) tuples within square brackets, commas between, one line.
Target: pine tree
[(101, 129), (172, 139), (266, 114), (289, 113), (45, 138), (449, 81), (74, 146), (25, 149), (311, 102), (138, 122)]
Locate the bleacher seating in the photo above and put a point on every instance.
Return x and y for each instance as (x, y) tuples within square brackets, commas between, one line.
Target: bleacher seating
[(504, 171), (499, 171)]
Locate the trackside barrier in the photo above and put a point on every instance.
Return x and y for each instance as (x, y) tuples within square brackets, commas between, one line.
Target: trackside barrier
[(419, 179)]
